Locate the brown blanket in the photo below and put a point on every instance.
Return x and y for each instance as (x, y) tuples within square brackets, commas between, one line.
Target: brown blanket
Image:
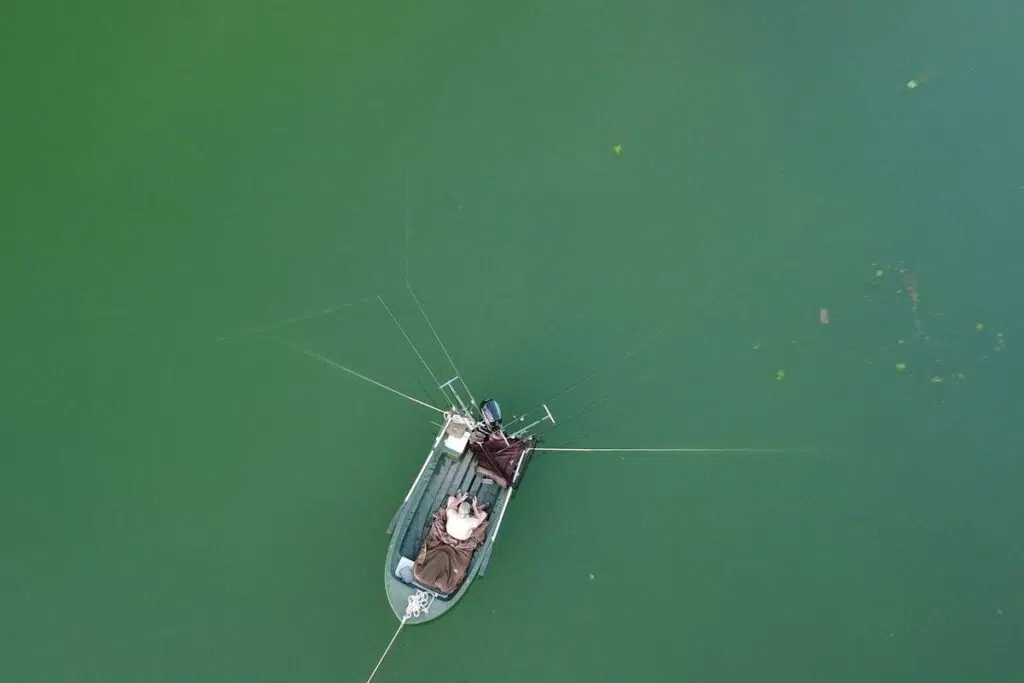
[(497, 459), (444, 561)]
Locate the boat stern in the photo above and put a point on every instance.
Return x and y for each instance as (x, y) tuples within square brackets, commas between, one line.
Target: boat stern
[(414, 605)]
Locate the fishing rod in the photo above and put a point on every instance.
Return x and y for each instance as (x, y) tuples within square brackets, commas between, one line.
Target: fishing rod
[(339, 366), (437, 382), (458, 375), (449, 385)]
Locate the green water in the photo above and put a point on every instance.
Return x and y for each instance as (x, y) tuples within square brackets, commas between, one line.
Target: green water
[(174, 507)]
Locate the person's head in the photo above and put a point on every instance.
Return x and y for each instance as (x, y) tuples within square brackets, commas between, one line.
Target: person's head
[(465, 508)]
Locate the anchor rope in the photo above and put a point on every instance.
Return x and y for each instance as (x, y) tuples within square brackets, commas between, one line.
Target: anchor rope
[(417, 606)]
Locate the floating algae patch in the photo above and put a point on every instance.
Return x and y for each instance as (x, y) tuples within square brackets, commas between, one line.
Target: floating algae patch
[(914, 329)]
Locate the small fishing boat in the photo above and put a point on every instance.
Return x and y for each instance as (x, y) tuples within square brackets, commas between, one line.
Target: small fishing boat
[(427, 571), (474, 459)]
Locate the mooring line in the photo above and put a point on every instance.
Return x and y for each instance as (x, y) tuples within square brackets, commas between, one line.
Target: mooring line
[(417, 605)]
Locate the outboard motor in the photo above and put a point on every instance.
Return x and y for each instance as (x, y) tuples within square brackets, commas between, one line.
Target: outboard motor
[(492, 414)]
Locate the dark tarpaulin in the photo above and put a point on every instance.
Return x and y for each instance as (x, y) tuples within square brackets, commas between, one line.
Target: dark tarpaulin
[(497, 459), (444, 561)]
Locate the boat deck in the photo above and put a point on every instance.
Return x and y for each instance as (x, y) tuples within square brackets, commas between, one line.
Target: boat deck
[(450, 477)]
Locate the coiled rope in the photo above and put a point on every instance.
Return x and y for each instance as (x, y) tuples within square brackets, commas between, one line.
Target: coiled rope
[(417, 606)]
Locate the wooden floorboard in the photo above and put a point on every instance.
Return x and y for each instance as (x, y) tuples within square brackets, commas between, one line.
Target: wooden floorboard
[(451, 478)]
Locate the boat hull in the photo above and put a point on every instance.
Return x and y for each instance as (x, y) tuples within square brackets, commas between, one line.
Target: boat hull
[(442, 477)]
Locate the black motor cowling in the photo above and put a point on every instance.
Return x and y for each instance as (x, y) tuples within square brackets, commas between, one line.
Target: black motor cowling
[(491, 412)]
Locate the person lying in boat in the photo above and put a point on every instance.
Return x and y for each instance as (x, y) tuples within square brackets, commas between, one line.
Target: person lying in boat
[(463, 516), (456, 530)]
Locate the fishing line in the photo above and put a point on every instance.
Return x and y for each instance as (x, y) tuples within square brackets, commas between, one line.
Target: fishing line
[(645, 345), (339, 366), (401, 329), (407, 229), (594, 406), (579, 438), (676, 450), (692, 307), (297, 319), (585, 411), (423, 312), (440, 343)]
